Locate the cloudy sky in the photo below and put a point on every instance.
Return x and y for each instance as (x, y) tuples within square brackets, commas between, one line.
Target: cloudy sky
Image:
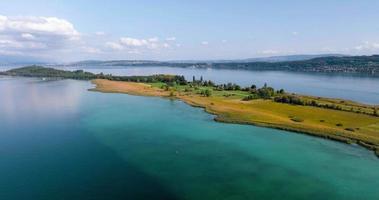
[(71, 30)]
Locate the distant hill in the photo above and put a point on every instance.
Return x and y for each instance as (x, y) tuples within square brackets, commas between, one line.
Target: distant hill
[(368, 65), (345, 64), (302, 63), (115, 62), (290, 58), (153, 62)]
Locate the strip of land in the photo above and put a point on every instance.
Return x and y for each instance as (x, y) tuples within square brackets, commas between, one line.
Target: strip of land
[(344, 126)]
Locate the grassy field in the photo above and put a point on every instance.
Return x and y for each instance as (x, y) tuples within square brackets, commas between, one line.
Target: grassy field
[(342, 125)]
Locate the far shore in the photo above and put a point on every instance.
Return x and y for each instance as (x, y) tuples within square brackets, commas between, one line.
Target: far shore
[(347, 127)]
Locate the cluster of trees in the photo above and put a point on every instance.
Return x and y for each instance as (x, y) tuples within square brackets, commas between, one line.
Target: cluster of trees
[(290, 99), (295, 100), (264, 92), (37, 71), (168, 79), (207, 92), (228, 86), (201, 82)]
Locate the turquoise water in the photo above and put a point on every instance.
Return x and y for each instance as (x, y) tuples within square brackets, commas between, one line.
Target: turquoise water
[(60, 141)]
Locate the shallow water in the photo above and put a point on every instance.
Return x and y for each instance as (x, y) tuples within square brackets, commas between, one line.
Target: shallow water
[(60, 141)]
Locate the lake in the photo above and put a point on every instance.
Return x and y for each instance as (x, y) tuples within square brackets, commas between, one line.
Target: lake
[(353, 87), (60, 141)]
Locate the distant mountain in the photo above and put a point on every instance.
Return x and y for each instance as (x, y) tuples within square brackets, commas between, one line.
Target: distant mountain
[(334, 64), (302, 63), (115, 63), (263, 59), (290, 58), (326, 63), (186, 62)]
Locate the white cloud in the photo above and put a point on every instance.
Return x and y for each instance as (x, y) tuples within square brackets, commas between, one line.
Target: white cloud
[(171, 39), (224, 41), (133, 42), (10, 44), (130, 44), (269, 51), (91, 50), (38, 25), (114, 46), (153, 40), (99, 33), (21, 46), (27, 35), (367, 46), (10, 53), (295, 33), (134, 51), (204, 42)]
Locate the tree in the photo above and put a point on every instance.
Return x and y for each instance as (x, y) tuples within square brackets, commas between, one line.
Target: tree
[(206, 92), (376, 112), (172, 93)]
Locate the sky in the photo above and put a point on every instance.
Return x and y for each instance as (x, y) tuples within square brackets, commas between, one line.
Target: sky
[(73, 30)]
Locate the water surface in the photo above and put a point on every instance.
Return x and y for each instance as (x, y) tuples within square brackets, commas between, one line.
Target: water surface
[(353, 87), (60, 141)]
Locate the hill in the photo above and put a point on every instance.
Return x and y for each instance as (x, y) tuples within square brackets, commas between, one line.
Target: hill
[(368, 65)]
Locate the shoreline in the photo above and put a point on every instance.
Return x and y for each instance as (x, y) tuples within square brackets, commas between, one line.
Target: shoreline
[(226, 116)]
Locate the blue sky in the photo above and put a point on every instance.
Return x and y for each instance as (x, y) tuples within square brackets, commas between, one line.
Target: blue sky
[(169, 30)]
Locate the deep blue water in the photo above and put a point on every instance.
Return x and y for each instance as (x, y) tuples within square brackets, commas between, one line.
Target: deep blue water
[(60, 141)]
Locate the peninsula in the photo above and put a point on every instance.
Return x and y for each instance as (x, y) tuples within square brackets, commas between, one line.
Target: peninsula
[(335, 119)]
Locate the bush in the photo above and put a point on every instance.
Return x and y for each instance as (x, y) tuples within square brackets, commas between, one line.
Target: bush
[(206, 92), (350, 129), (297, 119), (187, 89), (289, 99), (375, 112), (172, 93), (339, 124), (250, 97)]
